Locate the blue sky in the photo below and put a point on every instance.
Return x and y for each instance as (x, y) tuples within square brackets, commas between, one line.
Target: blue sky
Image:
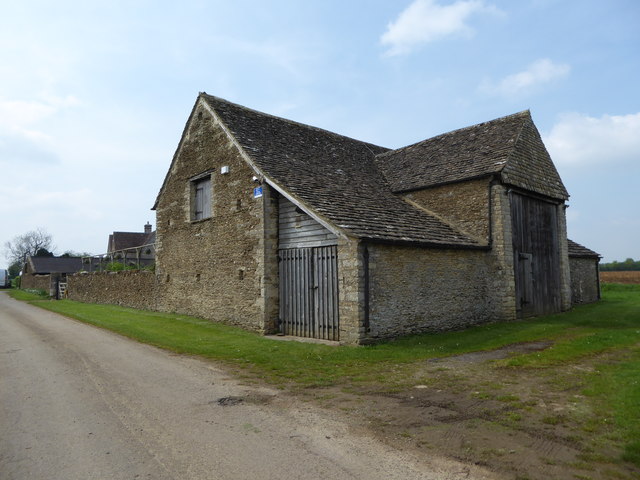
[(94, 95)]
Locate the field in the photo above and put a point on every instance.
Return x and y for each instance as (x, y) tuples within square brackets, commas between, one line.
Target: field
[(620, 277)]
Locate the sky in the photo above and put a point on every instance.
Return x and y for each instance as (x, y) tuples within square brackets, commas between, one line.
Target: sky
[(94, 95)]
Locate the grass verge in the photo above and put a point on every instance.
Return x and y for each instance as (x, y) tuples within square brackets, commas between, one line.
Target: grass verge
[(609, 329)]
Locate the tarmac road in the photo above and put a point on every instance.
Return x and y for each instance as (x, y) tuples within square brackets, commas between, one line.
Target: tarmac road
[(78, 402)]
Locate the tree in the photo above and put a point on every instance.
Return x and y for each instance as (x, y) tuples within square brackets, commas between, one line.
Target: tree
[(28, 244), (14, 269)]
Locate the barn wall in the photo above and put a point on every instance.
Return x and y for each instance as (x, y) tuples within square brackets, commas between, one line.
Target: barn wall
[(464, 204), (135, 289), (223, 267), (585, 287), (414, 290), (36, 282)]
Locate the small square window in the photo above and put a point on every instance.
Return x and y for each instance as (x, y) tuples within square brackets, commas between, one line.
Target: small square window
[(201, 199)]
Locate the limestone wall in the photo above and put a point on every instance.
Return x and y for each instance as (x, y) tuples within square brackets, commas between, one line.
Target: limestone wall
[(463, 204), (413, 290), (224, 267), (135, 289), (585, 287), (36, 282)]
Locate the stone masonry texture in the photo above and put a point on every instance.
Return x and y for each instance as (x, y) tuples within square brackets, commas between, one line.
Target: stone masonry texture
[(584, 280), (213, 268), (415, 290), (134, 289), (464, 204)]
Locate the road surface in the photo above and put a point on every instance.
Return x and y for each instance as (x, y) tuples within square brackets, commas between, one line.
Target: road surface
[(78, 402)]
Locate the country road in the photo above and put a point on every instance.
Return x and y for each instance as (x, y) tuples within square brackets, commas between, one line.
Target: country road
[(78, 402)]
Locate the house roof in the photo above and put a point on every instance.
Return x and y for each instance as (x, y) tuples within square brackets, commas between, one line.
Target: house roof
[(334, 176), (509, 146), (45, 265), (124, 240), (577, 250)]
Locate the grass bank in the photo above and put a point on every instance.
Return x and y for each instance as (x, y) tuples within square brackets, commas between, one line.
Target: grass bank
[(605, 336)]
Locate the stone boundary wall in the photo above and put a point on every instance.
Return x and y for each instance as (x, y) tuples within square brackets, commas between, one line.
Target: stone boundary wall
[(135, 289), (37, 282)]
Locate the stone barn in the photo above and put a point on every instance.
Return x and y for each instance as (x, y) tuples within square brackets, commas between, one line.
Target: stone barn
[(277, 226)]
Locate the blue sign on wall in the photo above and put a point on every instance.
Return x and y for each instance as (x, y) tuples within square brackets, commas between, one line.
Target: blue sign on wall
[(257, 192)]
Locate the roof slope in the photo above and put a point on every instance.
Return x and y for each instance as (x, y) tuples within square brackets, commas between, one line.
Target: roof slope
[(44, 265), (577, 250), (510, 146), (334, 176)]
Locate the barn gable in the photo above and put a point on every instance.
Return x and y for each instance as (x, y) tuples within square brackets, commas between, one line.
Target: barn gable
[(530, 167), (509, 147)]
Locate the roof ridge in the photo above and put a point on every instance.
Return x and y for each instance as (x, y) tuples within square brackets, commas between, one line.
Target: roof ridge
[(522, 113), (293, 122)]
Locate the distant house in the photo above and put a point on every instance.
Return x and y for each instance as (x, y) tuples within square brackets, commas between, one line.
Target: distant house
[(278, 226), (46, 273), (132, 249)]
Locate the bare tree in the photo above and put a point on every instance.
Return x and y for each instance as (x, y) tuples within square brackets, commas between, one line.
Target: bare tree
[(28, 244)]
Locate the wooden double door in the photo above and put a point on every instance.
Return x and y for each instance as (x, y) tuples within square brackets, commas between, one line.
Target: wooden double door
[(309, 292)]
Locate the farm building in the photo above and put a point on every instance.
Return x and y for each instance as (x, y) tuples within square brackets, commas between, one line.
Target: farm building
[(278, 226), (585, 274), (46, 273)]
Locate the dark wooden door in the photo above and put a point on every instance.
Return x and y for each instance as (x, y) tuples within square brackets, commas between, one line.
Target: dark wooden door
[(309, 292), (536, 255)]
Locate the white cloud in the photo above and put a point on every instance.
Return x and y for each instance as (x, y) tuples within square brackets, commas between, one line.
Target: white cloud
[(425, 21), (539, 72), (20, 138), (582, 140)]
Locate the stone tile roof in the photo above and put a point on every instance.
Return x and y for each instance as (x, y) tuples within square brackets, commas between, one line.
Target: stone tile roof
[(509, 146), (335, 176), (577, 250), (46, 265)]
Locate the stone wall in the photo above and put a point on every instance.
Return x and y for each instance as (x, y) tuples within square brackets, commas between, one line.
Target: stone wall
[(463, 204), (415, 290), (502, 279), (135, 289), (216, 267), (351, 292), (585, 287), (36, 282)]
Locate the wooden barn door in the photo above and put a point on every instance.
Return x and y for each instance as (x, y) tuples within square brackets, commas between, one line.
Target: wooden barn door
[(309, 292), (536, 255)]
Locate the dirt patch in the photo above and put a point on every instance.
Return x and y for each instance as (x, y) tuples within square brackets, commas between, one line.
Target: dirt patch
[(504, 352), (525, 424)]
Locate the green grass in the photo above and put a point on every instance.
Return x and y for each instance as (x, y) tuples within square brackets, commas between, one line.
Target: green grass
[(607, 330)]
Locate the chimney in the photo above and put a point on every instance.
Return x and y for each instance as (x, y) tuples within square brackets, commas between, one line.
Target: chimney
[(147, 228)]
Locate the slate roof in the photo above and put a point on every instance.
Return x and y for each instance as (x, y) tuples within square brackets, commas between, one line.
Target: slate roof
[(577, 250), (46, 265), (124, 240), (509, 146), (333, 175)]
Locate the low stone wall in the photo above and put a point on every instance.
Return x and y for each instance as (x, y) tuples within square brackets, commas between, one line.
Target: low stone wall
[(36, 282), (585, 287), (135, 289)]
